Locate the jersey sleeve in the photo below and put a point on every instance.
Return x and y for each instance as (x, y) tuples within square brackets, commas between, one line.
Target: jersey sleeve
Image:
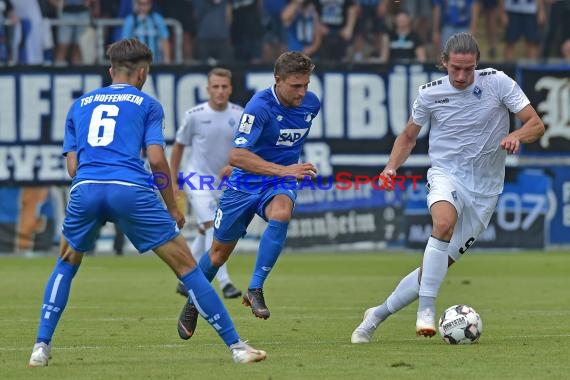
[(420, 113), (315, 104), (69, 137), (251, 124), (510, 93), (184, 132), (154, 125)]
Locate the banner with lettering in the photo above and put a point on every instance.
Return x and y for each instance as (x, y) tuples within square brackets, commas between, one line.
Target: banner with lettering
[(519, 219), (364, 108), (548, 89)]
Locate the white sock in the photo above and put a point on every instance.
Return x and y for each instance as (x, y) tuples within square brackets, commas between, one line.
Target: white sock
[(434, 269), (405, 293), (197, 247), (222, 276)]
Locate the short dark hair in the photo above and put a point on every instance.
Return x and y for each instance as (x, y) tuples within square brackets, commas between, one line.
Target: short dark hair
[(293, 62), (461, 43), (128, 54)]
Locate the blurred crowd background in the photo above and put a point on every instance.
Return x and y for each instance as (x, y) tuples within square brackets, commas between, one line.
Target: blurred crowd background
[(75, 32)]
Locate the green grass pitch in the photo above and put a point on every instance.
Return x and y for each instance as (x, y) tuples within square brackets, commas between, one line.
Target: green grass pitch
[(120, 322)]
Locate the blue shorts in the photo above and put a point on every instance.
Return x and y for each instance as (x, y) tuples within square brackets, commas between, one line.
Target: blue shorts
[(237, 208), (522, 25), (137, 210)]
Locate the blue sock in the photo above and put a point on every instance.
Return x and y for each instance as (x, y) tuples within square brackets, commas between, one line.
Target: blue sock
[(270, 247), (209, 305), (207, 267), (55, 298)]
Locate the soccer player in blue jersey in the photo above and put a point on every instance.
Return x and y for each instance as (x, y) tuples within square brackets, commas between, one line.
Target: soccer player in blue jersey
[(105, 131), (266, 153)]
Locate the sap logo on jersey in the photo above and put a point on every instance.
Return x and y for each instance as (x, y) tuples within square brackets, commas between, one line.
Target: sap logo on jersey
[(246, 123), (290, 136)]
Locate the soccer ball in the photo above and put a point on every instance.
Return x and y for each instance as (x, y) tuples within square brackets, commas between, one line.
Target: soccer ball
[(460, 324)]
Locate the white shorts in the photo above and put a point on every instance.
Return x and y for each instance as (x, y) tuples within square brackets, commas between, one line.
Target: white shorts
[(474, 212), (204, 203)]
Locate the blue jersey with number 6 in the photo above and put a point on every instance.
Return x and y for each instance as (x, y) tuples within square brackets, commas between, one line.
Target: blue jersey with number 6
[(108, 128)]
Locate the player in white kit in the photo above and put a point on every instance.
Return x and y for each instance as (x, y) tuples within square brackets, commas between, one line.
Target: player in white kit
[(469, 139), (208, 129)]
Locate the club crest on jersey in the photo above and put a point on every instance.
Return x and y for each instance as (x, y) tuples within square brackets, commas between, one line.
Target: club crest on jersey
[(246, 123), (477, 92), (289, 137), (309, 117)]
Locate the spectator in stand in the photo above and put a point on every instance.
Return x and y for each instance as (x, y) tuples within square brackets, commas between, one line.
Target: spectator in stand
[(565, 51), (450, 17), (275, 33), (28, 46), (370, 30), (557, 27), (490, 10), (301, 19), (338, 19), (405, 43), (523, 19), (6, 14), (149, 27), (182, 11), (213, 20), (49, 12), (421, 13), (79, 12), (110, 9), (246, 30)]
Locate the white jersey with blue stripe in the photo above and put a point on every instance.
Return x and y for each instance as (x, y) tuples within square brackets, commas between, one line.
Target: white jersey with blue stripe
[(274, 132)]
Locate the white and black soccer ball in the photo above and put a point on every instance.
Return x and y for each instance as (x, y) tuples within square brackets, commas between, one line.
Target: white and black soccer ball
[(460, 324)]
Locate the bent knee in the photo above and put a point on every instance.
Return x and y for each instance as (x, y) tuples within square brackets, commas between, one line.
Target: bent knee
[(443, 229), (219, 258)]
